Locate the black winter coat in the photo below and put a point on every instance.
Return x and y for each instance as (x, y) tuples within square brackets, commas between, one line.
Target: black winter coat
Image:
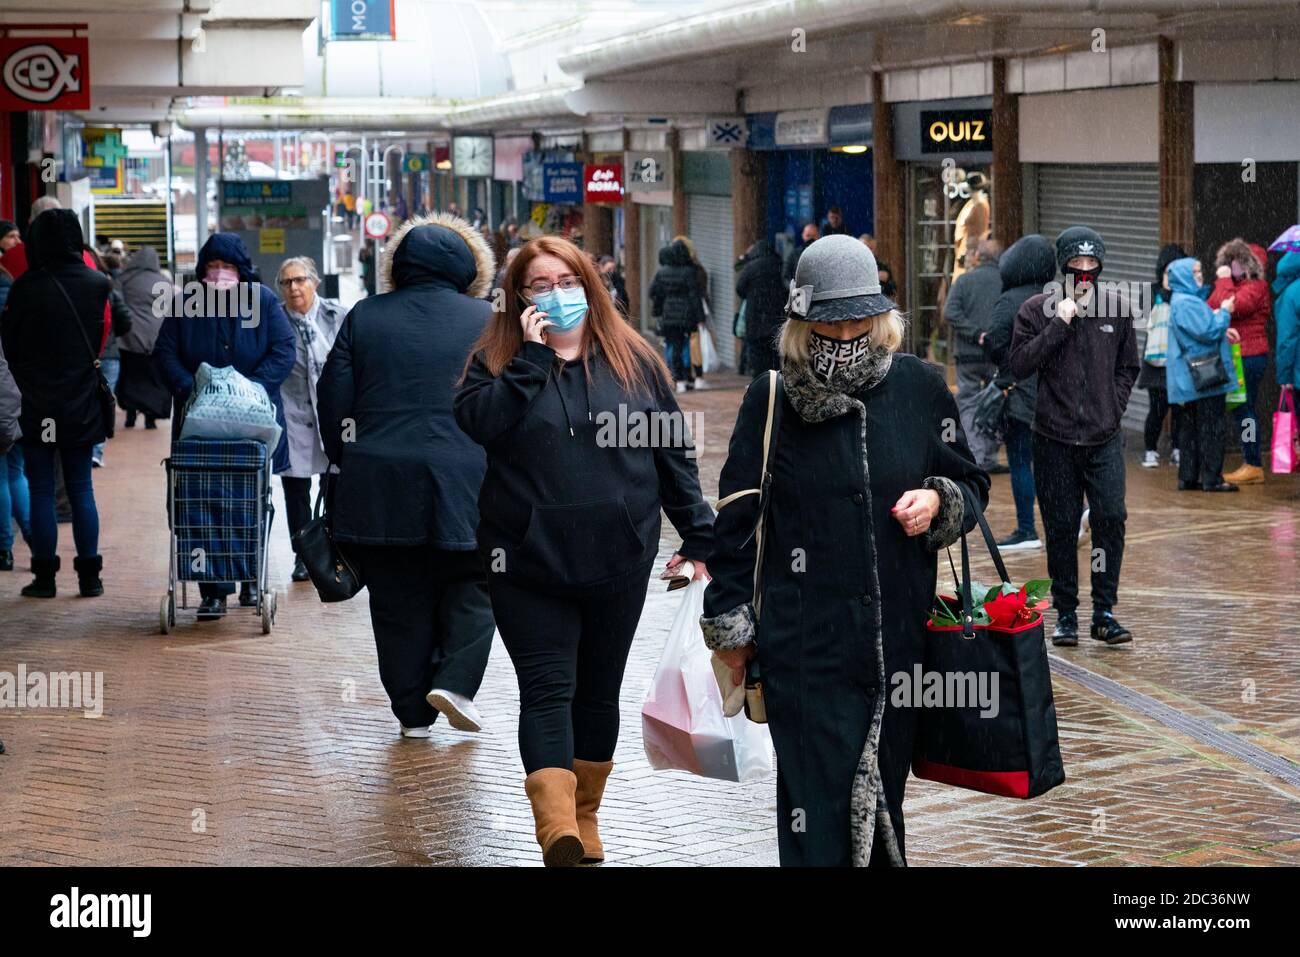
[(675, 295), (1026, 267), (408, 474), (49, 359), (969, 307), (1086, 369), (846, 593), (571, 497), (760, 285)]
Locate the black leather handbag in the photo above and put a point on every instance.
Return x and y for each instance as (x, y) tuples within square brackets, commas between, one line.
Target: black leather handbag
[(991, 410), (335, 577), (1208, 372)]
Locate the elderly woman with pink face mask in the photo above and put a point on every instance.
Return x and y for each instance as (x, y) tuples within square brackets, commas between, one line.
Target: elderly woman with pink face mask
[(248, 331)]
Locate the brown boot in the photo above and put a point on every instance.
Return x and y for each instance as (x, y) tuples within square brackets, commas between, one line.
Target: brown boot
[(551, 791), (1246, 475), (591, 788)]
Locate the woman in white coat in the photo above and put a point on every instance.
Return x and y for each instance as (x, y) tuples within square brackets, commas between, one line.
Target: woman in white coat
[(315, 322)]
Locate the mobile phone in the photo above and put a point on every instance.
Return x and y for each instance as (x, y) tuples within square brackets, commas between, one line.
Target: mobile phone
[(755, 708)]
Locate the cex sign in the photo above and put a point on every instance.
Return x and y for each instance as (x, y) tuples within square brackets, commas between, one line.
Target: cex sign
[(44, 72)]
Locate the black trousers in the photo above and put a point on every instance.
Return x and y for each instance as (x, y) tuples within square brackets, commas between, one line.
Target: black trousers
[(1155, 421), (432, 619), (297, 502), (1200, 456), (1062, 475), (569, 652)]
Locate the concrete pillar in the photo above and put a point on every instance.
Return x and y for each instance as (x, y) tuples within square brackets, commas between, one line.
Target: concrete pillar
[(200, 186), (681, 225), (1177, 153), (598, 218), (1008, 176), (890, 190), (632, 258)]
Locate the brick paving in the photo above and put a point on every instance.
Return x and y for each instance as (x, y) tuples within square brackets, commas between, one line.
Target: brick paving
[(218, 745)]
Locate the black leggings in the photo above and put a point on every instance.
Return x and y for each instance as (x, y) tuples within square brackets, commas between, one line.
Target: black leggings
[(569, 652), (297, 502)]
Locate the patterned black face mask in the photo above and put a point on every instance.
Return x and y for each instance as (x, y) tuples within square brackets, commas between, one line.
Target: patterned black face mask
[(829, 355)]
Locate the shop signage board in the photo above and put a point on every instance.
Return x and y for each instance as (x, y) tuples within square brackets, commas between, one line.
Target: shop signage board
[(648, 171), (562, 183), (44, 72), (276, 218), (949, 131), (103, 157), (726, 132), (802, 127), (362, 20), (602, 183)]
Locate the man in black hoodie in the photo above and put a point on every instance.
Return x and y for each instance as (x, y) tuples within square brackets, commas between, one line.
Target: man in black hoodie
[(1082, 344)]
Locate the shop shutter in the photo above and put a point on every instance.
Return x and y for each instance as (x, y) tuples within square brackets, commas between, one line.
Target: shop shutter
[(1122, 202), (709, 220)]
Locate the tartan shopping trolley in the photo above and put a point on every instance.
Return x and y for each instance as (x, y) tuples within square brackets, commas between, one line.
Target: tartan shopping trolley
[(220, 513)]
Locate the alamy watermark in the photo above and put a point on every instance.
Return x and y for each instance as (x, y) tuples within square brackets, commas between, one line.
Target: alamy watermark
[(639, 429), (945, 689), (76, 690)]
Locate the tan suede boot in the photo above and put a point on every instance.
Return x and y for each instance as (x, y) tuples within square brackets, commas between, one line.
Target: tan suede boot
[(591, 788), (1246, 475), (551, 791)]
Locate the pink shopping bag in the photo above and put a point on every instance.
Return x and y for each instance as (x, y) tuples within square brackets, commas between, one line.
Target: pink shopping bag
[(1286, 436)]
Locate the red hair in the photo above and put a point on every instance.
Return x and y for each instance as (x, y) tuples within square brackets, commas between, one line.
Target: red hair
[(631, 358)]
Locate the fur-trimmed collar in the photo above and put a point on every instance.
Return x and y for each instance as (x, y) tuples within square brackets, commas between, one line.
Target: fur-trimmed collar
[(816, 400), (484, 260)]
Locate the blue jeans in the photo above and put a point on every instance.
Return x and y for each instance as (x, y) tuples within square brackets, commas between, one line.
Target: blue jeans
[(111, 368), (1019, 440), (15, 502), (81, 495), (677, 353), (1254, 368)]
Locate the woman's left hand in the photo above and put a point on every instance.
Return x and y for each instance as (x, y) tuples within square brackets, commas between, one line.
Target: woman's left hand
[(916, 510), (700, 570), (1233, 335)]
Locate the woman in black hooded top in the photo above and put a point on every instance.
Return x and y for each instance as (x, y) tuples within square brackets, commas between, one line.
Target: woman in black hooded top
[(52, 327), (571, 405)]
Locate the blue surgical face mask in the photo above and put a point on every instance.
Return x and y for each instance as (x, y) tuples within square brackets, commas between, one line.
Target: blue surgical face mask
[(565, 308)]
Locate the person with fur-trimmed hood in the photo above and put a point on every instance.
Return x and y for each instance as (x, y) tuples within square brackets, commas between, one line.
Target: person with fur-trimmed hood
[(404, 504), (870, 476)]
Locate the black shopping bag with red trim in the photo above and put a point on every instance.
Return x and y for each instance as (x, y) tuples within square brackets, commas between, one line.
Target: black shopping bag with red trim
[(1002, 741)]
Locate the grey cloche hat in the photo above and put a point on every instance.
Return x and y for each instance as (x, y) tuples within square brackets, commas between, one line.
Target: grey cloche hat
[(835, 280)]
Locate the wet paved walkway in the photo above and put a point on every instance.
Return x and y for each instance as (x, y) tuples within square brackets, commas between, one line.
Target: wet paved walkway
[(218, 745)]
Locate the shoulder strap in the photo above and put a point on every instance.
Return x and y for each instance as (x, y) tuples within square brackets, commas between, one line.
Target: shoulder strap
[(76, 319), (773, 385)]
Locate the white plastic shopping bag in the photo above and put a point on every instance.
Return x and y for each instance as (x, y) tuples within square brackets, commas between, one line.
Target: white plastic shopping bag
[(682, 725), (709, 360), (227, 405)]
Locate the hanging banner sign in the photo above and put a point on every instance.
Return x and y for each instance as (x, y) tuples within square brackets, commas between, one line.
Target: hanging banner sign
[(44, 73), (602, 183), (362, 20), (415, 163), (562, 182)]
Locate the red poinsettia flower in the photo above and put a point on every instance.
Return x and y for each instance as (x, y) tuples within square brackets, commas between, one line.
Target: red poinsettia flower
[(1005, 611)]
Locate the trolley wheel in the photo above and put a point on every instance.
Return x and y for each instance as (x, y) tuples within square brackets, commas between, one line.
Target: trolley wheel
[(268, 612), (167, 614)]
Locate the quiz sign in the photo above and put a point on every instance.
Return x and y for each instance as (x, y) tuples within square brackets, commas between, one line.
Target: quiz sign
[(45, 72)]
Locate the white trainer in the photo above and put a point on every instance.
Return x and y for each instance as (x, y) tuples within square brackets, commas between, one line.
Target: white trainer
[(415, 732), (457, 709), (1151, 460)]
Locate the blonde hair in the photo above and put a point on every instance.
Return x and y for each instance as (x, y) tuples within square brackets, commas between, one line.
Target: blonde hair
[(886, 330)]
